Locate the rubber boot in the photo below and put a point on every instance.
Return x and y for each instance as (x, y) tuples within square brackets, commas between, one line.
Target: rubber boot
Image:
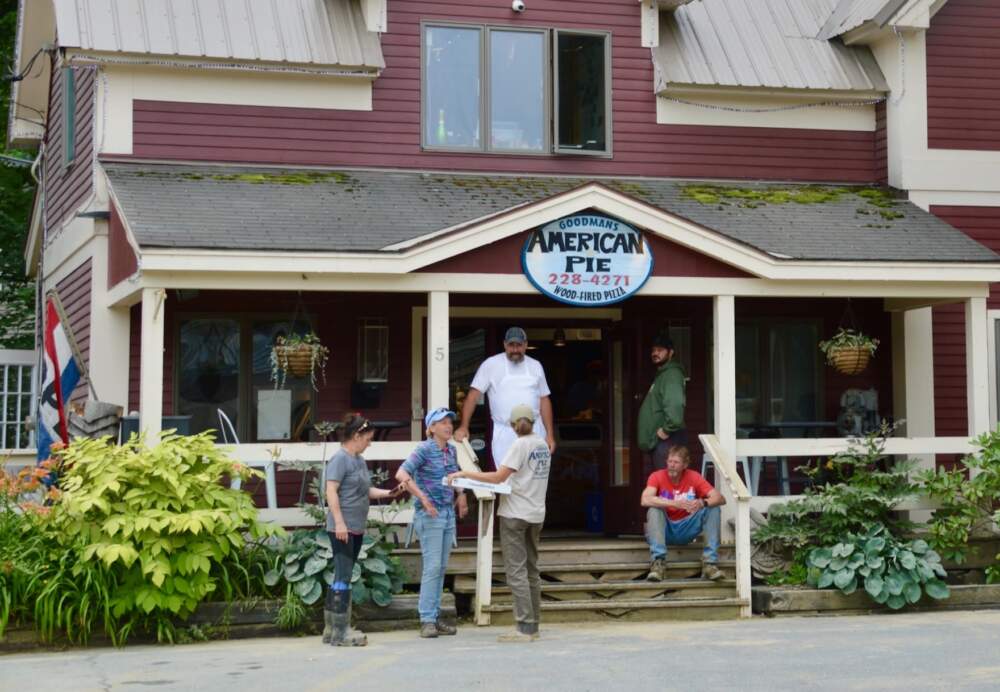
[(327, 623), (341, 620), (358, 635)]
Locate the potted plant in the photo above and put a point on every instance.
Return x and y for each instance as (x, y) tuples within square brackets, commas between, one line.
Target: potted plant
[(849, 350), (299, 355)]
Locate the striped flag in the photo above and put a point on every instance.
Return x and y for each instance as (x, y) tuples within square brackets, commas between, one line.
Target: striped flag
[(60, 373)]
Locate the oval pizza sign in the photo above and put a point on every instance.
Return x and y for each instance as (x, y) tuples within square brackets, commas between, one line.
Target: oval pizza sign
[(587, 259)]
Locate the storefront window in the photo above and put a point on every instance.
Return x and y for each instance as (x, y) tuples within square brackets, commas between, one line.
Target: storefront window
[(373, 351), (209, 372), (277, 414)]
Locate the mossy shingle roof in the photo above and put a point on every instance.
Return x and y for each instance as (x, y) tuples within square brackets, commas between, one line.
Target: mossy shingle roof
[(237, 208)]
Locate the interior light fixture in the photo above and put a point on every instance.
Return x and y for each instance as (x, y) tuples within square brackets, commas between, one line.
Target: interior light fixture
[(559, 338)]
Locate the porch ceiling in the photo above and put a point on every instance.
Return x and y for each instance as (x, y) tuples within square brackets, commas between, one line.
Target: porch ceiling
[(267, 209)]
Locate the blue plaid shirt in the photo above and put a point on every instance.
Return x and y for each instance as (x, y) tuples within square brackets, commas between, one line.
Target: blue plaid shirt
[(428, 465)]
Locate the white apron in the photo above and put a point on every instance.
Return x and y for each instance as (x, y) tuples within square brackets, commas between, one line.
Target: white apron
[(512, 391)]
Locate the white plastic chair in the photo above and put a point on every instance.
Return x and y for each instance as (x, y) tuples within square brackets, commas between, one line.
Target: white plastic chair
[(706, 459), (229, 437)]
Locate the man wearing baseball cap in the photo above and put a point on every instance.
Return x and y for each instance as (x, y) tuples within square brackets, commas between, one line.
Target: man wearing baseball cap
[(508, 379), (661, 416)]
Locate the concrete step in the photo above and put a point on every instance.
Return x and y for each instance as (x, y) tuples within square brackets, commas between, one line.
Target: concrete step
[(632, 610), (675, 589)]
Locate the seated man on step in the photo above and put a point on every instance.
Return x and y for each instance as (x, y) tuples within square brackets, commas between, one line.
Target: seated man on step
[(681, 505)]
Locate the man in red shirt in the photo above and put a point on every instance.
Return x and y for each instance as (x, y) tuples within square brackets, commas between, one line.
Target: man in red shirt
[(681, 505)]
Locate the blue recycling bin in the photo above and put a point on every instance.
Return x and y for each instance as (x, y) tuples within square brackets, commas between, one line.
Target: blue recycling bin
[(594, 504)]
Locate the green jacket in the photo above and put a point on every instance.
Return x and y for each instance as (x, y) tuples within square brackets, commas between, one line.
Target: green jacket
[(664, 404)]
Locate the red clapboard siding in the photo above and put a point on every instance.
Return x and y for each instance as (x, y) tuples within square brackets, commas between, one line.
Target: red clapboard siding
[(389, 135), (963, 76), (983, 225), (122, 262), (881, 145), (67, 187), (74, 294)]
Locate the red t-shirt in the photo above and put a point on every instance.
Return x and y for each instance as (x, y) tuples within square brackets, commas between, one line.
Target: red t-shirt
[(692, 484)]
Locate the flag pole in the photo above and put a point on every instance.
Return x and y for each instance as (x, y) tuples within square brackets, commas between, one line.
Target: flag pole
[(68, 330)]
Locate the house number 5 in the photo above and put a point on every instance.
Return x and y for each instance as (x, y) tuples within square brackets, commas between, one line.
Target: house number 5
[(439, 353)]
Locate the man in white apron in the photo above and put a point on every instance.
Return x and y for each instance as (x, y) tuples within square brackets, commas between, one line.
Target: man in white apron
[(509, 379)]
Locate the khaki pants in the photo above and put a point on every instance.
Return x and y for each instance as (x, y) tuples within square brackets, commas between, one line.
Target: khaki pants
[(519, 540)]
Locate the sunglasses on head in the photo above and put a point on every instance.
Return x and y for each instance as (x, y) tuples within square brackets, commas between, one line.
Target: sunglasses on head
[(363, 427)]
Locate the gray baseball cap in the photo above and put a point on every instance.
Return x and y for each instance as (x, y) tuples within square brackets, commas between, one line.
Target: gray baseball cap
[(515, 334)]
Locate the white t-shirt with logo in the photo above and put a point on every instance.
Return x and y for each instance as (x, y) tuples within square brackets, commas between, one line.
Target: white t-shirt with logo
[(530, 459)]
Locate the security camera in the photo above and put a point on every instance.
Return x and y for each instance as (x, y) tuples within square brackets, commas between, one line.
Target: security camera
[(517, 5)]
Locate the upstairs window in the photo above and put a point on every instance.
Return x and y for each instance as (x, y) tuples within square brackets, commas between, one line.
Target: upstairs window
[(69, 115), (517, 91)]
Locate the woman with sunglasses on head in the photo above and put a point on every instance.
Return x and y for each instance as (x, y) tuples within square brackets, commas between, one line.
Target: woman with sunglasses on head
[(434, 522), (348, 495)]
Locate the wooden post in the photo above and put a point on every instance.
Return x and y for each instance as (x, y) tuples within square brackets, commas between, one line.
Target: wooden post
[(976, 367), (724, 368), (744, 576), (151, 364), (484, 561), (437, 349)]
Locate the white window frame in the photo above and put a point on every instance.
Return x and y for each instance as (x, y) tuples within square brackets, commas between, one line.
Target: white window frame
[(19, 360)]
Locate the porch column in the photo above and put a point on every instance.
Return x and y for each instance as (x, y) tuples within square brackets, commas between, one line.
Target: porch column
[(724, 368), (977, 376), (437, 349), (151, 363)]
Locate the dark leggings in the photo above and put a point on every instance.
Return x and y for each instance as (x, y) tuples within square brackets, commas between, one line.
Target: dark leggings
[(344, 557)]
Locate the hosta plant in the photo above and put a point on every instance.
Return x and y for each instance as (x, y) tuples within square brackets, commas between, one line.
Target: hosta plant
[(892, 572), (305, 565)]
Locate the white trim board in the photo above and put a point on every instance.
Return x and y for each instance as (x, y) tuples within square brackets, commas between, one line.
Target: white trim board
[(731, 110)]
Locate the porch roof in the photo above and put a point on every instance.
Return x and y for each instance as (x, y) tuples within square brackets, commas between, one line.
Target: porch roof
[(268, 209)]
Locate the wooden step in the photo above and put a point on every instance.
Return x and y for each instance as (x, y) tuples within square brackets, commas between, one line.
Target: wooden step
[(558, 553), (676, 589), (637, 610)]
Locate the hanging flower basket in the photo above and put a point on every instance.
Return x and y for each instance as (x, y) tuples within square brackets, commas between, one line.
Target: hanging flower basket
[(849, 351), (298, 356)]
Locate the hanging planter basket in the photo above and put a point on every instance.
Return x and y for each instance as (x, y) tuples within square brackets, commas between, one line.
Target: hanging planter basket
[(850, 360), (849, 351), (298, 358)]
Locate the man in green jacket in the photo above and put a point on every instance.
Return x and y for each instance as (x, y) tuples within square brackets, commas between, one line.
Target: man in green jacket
[(661, 416)]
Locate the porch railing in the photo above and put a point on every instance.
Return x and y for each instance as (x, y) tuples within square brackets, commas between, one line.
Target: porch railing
[(738, 500)]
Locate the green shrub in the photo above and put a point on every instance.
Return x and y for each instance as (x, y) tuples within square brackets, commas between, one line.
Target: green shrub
[(851, 493), (892, 572), (967, 505), (158, 523)]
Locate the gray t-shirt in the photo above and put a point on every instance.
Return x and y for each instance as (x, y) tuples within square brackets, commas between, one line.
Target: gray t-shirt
[(530, 458), (352, 474)]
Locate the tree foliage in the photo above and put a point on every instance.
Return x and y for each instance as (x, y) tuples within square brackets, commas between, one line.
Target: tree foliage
[(17, 294)]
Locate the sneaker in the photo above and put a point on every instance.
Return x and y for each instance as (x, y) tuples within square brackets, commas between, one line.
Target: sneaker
[(656, 570), (445, 629), (428, 630), (516, 636), (711, 572)]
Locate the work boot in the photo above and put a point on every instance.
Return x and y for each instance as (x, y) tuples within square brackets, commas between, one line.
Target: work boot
[(711, 571), (520, 634), (428, 630), (657, 570), (445, 629), (340, 621)]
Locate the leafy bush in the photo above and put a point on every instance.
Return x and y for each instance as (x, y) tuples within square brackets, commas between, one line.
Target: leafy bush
[(852, 492), (892, 572), (967, 505)]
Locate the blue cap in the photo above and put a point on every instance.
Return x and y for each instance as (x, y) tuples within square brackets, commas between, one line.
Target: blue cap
[(437, 414), (515, 334)]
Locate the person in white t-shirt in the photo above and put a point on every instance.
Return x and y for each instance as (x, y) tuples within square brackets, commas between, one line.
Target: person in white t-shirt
[(508, 379), (522, 514)]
